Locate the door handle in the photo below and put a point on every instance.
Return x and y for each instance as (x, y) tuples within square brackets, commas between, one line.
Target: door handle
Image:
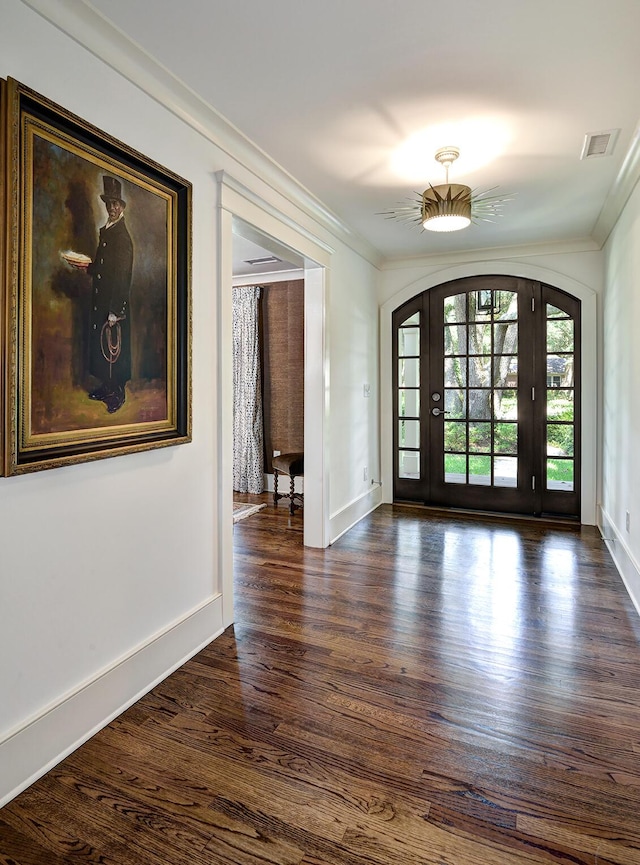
[(438, 411)]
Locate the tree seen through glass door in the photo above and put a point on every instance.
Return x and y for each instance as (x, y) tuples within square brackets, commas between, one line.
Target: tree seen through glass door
[(480, 381)]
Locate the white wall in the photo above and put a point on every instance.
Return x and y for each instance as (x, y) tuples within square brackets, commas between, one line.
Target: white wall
[(581, 262), (86, 627), (621, 389), (577, 270), (353, 346)]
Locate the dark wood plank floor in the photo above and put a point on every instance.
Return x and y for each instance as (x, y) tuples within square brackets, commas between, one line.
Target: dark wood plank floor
[(430, 689)]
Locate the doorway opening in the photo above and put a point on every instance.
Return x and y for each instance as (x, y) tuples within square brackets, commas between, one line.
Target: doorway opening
[(486, 396), (268, 311)]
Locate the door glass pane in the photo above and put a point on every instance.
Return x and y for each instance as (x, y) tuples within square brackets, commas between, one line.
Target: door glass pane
[(455, 339), (560, 475), (505, 338), (560, 440), (480, 437), (455, 371), (455, 308), (409, 341), (505, 404), (559, 370), (409, 372), (480, 371), (479, 338), (480, 404), (413, 319), (480, 470), (505, 471), (505, 438), (560, 335), (505, 371), (455, 403), (408, 403), (506, 306), (409, 464), (560, 405), (554, 312), (455, 468), (409, 433), (455, 436)]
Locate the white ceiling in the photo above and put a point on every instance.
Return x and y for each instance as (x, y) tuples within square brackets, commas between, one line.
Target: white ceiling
[(331, 90)]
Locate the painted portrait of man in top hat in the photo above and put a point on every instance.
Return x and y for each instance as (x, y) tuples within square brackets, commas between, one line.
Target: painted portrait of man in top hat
[(102, 302), (110, 309)]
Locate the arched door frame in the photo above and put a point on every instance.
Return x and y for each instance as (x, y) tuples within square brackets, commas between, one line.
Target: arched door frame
[(590, 354), (237, 202)]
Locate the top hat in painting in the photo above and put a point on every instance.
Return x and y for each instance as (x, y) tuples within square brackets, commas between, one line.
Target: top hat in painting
[(112, 189)]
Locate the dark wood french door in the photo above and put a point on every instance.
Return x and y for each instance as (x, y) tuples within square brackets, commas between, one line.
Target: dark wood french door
[(487, 397)]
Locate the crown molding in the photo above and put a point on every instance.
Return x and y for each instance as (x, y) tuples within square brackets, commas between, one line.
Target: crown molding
[(231, 188), (91, 30), (561, 247), (620, 191)]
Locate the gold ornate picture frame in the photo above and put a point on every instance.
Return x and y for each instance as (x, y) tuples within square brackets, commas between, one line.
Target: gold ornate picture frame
[(97, 324)]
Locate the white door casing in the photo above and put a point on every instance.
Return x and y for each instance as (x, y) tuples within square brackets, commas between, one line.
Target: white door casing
[(240, 210)]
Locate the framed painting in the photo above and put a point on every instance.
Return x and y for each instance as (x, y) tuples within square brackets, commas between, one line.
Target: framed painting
[(97, 292)]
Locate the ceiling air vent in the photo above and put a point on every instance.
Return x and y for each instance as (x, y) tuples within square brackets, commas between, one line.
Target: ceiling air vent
[(269, 259), (599, 143)]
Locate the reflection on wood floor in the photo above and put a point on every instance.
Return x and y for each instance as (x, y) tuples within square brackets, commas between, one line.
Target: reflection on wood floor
[(430, 689)]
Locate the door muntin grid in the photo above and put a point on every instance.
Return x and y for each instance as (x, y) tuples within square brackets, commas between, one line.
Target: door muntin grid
[(480, 341), (560, 419), (408, 407)]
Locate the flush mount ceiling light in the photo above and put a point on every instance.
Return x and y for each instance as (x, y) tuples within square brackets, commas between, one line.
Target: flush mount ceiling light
[(448, 206)]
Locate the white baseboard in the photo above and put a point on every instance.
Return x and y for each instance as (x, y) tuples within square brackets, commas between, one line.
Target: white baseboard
[(622, 557), (347, 517), (30, 751)]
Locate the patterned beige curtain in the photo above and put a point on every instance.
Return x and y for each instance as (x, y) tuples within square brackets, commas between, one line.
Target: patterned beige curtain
[(248, 449)]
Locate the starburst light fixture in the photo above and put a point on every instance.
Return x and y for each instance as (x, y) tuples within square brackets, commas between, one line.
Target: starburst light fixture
[(449, 206)]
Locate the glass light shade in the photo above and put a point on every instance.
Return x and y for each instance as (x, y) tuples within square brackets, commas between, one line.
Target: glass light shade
[(446, 222), (446, 207)]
